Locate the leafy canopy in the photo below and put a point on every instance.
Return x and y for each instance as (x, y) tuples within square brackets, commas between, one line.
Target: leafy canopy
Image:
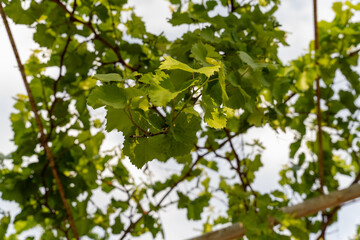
[(184, 103)]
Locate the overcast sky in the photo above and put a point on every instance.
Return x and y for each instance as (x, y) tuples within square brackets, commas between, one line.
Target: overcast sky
[(295, 16)]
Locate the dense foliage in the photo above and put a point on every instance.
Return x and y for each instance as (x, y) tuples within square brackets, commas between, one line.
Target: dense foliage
[(186, 103)]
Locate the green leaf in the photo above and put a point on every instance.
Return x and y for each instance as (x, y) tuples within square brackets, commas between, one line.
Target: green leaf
[(222, 82), (214, 116), (110, 77), (144, 149), (21, 226), (15, 11), (209, 71), (249, 61), (4, 223), (294, 147), (44, 36), (348, 99), (109, 95), (180, 18), (172, 64), (118, 119), (161, 89), (84, 226), (118, 226), (184, 131), (194, 207), (160, 96), (257, 117), (135, 27), (205, 53), (199, 51)]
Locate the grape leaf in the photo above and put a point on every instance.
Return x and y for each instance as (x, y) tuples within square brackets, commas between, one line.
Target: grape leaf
[(172, 64), (109, 95)]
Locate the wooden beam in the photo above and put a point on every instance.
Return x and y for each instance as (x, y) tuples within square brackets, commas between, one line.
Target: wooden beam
[(306, 208)]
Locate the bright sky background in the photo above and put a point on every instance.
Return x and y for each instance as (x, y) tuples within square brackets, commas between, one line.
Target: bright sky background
[(295, 17)]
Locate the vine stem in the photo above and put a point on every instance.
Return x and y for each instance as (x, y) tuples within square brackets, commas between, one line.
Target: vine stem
[(39, 125), (318, 107)]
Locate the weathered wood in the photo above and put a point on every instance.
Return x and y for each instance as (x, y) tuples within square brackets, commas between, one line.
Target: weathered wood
[(306, 208)]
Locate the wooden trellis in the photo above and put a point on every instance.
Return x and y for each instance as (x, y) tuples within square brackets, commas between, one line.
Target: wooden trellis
[(306, 208)]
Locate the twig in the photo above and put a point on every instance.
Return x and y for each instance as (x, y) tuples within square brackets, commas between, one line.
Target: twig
[(290, 97), (128, 193), (55, 84), (133, 122), (149, 134), (232, 6), (40, 126)]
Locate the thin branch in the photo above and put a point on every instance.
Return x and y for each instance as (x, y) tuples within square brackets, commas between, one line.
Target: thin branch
[(318, 107), (187, 174), (128, 193), (320, 143), (133, 122), (40, 126), (232, 6), (237, 168), (329, 220), (55, 84), (354, 53), (150, 134), (290, 97)]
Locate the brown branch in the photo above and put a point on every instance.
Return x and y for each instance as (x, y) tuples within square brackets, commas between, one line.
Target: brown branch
[(232, 6), (306, 208), (320, 144), (318, 99), (316, 29), (290, 97), (43, 140)]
